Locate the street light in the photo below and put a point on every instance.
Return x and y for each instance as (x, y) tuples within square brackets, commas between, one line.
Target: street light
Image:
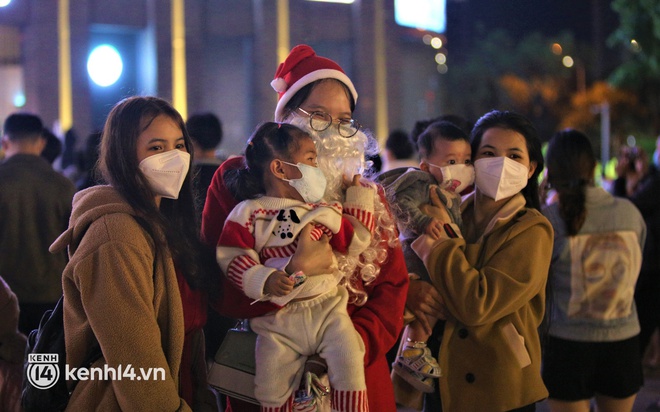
[(570, 62)]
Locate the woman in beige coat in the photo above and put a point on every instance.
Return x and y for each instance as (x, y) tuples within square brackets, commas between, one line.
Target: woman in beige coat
[(133, 281), (490, 279)]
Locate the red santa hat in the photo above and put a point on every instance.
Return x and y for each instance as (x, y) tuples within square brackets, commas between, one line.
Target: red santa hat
[(302, 67)]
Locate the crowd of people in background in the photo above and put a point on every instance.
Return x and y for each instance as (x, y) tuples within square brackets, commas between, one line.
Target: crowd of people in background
[(439, 273)]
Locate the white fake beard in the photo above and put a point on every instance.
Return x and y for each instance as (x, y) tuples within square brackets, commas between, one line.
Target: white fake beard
[(338, 156)]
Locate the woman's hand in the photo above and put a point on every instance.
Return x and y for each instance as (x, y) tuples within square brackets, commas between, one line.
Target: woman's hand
[(424, 300), (312, 257)]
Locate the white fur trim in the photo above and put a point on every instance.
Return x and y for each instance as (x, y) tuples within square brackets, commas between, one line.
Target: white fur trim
[(307, 79), (279, 85)]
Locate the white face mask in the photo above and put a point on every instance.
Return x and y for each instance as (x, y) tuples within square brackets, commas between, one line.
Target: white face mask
[(457, 177), (500, 177), (166, 172), (311, 185)]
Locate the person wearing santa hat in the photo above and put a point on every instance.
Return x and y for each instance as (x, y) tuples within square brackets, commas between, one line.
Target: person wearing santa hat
[(317, 95)]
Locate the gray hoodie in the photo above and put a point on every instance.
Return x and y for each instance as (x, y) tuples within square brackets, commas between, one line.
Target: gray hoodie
[(406, 190)]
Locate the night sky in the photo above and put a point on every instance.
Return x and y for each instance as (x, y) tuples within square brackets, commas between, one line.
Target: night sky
[(520, 17)]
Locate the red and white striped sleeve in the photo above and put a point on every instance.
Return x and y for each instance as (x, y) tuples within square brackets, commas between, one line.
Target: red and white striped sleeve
[(238, 260), (358, 209)]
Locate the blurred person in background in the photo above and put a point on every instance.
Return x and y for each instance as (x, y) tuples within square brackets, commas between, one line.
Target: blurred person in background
[(87, 159), (640, 182), (53, 147), (35, 204), (399, 151), (205, 131), (592, 348)]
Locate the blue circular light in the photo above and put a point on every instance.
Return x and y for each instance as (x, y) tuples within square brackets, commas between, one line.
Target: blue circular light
[(4, 3), (104, 65), (19, 100)]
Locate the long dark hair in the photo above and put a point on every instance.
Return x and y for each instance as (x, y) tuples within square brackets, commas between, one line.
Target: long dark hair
[(270, 141), (571, 163), (173, 226), (518, 123), (301, 95)]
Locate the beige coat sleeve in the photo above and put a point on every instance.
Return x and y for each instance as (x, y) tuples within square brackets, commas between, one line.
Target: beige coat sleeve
[(12, 342)]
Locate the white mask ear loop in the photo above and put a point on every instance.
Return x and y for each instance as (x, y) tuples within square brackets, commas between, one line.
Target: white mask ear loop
[(311, 186), (297, 167)]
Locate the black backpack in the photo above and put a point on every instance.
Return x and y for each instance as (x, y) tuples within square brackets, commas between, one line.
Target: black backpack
[(49, 339)]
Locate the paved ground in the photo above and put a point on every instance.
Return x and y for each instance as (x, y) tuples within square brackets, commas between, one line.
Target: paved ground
[(649, 393)]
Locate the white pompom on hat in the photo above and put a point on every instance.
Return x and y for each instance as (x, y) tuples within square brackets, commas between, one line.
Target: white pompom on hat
[(302, 67)]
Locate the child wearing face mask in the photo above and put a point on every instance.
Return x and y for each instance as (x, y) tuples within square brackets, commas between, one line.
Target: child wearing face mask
[(283, 190), (445, 165)]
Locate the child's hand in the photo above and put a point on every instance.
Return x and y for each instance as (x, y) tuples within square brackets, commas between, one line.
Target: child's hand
[(278, 284), (354, 182), (437, 209), (434, 229)]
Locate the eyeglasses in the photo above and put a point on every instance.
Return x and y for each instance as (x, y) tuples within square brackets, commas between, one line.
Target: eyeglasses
[(320, 121)]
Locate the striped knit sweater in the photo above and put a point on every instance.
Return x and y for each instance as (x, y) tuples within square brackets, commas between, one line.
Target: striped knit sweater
[(260, 235)]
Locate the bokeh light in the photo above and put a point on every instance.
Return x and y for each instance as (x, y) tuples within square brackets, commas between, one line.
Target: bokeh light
[(635, 46), (4, 3), (19, 100), (427, 39), (440, 58), (556, 49), (442, 68), (436, 42), (104, 65), (568, 61)]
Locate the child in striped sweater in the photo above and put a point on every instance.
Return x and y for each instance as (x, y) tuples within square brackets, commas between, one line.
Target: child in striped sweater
[(283, 191)]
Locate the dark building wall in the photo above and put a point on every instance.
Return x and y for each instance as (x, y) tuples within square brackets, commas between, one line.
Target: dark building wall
[(231, 52)]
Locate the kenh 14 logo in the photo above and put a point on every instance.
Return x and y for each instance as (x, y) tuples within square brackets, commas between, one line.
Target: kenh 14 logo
[(42, 370)]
